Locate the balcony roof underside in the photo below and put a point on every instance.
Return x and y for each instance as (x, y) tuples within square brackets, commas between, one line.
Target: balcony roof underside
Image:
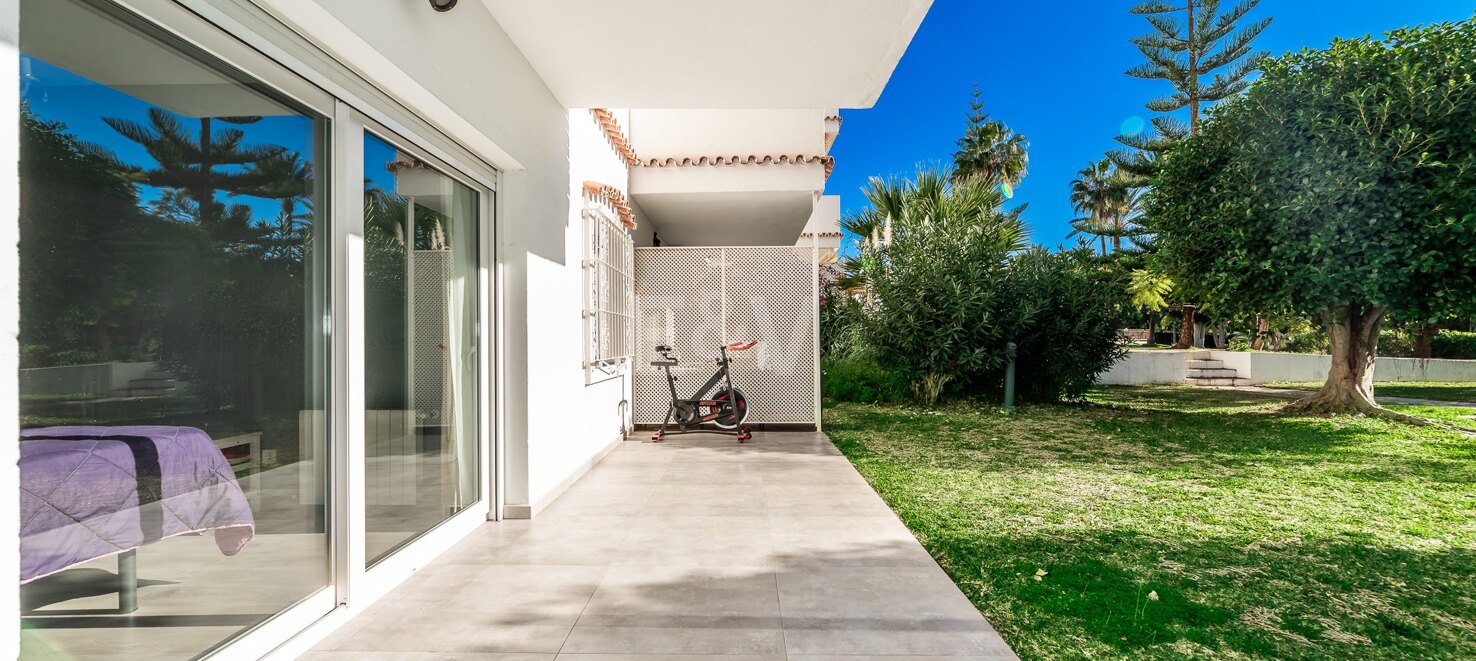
[(711, 53)]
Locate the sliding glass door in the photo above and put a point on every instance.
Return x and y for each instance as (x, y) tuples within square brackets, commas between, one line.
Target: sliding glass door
[(420, 346), (174, 282), (253, 364)]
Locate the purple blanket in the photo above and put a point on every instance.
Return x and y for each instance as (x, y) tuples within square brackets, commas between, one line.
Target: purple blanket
[(92, 492)]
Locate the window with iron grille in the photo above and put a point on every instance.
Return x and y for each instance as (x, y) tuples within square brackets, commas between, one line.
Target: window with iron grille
[(609, 295)]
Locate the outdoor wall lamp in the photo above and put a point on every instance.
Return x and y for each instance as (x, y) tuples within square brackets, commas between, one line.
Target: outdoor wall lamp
[(442, 5)]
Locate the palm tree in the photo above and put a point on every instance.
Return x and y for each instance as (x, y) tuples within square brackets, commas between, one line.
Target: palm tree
[(989, 149), (1149, 290), (1104, 195)]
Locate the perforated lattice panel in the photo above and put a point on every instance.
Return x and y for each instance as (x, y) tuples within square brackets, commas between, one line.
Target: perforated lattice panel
[(697, 299), (430, 335)]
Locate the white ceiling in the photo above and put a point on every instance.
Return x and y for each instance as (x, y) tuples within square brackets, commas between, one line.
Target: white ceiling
[(773, 218), (712, 53)]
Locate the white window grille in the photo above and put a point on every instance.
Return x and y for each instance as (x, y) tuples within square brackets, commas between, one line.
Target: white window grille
[(609, 296)]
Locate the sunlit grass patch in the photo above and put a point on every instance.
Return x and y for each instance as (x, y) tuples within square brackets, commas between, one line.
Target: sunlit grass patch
[(1259, 534)]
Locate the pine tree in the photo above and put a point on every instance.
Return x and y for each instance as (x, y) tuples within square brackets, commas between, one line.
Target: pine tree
[(1182, 51), (1188, 42)]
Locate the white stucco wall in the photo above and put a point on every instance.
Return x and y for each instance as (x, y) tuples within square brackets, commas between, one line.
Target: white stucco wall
[(9, 316), (570, 437)]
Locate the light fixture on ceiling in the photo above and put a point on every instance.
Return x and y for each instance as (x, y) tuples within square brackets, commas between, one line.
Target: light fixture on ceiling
[(442, 5)]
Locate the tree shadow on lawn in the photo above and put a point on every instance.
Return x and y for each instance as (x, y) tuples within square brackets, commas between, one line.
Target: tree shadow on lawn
[(1328, 598), (1211, 443)]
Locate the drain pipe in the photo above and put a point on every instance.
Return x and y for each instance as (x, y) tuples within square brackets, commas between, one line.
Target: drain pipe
[(1009, 394)]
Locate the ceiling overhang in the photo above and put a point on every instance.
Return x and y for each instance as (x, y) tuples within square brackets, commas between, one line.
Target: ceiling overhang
[(712, 53)]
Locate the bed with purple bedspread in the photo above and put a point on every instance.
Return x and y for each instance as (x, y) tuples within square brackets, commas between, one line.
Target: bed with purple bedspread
[(92, 492)]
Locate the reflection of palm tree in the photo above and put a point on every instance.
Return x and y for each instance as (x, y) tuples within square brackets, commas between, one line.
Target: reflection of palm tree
[(192, 161), (287, 178)]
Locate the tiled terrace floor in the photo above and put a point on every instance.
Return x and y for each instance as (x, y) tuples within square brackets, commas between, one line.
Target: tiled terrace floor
[(698, 546)]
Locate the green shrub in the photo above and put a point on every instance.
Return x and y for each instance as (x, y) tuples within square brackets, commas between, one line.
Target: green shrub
[(1396, 343), (861, 380), (1063, 312), (1313, 340), (841, 331), (949, 298), (1454, 344)]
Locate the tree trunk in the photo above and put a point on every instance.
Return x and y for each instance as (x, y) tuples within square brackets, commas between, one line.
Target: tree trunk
[(1263, 324), (1186, 328), (1349, 387), (1424, 340), (1152, 326)]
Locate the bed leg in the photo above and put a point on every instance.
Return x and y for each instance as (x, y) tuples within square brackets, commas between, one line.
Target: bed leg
[(128, 581)]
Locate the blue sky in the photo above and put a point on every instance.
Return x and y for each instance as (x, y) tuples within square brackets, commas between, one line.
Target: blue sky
[(1053, 70)]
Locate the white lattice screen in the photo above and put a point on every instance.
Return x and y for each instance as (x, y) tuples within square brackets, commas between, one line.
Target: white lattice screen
[(697, 299)]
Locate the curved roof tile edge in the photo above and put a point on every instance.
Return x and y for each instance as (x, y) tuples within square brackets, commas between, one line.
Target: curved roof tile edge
[(615, 135), (612, 197)]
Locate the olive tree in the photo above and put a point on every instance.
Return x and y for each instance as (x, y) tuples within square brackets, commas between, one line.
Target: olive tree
[(1341, 185)]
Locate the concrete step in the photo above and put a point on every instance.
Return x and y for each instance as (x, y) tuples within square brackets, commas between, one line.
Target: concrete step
[(1205, 364), (1218, 381), (1221, 373), (1197, 355)]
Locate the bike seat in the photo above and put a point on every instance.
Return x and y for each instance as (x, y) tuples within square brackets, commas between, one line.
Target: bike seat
[(741, 346), (662, 363)]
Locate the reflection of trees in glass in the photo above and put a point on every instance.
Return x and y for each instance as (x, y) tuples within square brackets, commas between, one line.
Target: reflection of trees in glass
[(201, 163), (234, 325), (287, 178), (85, 299), (204, 287)]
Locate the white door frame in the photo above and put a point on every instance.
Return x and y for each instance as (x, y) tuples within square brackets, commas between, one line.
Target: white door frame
[(246, 38)]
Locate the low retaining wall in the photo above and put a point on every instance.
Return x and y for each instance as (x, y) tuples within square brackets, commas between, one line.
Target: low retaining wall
[(96, 380), (1147, 367)]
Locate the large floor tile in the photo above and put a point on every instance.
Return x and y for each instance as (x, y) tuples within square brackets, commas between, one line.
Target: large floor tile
[(667, 610), (813, 500), (421, 656), (845, 541), (880, 610), (498, 608), (697, 548), (552, 540), (698, 541), (710, 500)]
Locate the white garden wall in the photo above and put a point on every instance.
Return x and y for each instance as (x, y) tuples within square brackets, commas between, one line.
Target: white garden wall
[(1146, 367), (1161, 366)]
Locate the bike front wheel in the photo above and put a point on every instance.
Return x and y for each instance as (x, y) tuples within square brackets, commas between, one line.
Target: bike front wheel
[(732, 409)]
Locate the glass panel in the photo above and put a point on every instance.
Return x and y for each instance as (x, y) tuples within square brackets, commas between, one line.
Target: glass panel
[(420, 343), (173, 348)]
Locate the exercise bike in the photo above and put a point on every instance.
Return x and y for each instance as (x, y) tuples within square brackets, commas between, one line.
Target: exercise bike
[(726, 408)]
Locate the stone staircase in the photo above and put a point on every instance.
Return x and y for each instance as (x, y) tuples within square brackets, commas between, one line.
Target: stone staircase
[(155, 383), (1201, 370)]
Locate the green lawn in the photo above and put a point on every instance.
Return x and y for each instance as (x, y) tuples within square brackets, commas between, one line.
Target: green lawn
[(1178, 522), (1454, 391)]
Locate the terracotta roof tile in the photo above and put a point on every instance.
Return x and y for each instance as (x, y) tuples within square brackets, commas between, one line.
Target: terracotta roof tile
[(751, 159), (615, 135), (611, 197)]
